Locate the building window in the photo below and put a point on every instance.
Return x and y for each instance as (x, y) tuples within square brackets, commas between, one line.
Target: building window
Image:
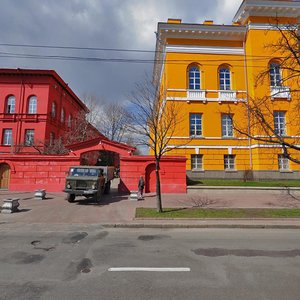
[(194, 78), (62, 116), (224, 75), (283, 163), (70, 121), (29, 137), (11, 105), (229, 162), (196, 124), (227, 128), (279, 123), (32, 105), (275, 75), (7, 137), (197, 161), (52, 138), (53, 110)]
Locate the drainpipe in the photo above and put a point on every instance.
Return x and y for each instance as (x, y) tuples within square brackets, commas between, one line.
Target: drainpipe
[(21, 112), (247, 99)]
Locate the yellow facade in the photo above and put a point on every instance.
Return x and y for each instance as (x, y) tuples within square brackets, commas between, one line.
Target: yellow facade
[(186, 52)]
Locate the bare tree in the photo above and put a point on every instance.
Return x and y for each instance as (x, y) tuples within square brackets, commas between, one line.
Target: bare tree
[(114, 122), (154, 120), (260, 110)]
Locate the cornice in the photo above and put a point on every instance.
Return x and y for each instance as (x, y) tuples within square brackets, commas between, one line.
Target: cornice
[(267, 8)]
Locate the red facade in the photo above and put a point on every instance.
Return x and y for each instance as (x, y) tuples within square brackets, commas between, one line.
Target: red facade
[(35, 106)]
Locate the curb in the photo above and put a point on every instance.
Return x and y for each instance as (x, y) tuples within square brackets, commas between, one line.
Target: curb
[(253, 188), (190, 226)]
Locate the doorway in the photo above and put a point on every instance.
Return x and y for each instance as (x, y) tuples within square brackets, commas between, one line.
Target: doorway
[(150, 179), (4, 176)]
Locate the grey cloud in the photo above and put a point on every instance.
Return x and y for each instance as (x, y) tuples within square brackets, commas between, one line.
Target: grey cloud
[(126, 24)]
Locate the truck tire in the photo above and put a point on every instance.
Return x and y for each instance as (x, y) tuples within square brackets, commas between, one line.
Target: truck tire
[(71, 198), (107, 187)]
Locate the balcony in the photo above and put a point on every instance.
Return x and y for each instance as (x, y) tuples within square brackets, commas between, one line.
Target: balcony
[(227, 96), (282, 92), (196, 95)]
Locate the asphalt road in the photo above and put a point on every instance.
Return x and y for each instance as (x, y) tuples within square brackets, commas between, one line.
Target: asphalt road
[(76, 262)]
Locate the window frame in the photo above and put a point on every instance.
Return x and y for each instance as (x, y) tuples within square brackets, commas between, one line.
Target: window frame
[(29, 137), (194, 82), (229, 162), (193, 126), (223, 84), (283, 163), (227, 129), (279, 123), (62, 116), (9, 105), (7, 137), (32, 105), (276, 75), (197, 162), (53, 110)]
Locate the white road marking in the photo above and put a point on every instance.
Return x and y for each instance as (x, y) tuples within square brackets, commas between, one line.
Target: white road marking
[(134, 269)]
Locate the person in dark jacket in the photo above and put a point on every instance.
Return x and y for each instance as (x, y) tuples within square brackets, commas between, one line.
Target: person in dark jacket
[(141, 186)]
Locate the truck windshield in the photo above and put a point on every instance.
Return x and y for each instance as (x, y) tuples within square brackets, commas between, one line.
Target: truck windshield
[(84, 172)]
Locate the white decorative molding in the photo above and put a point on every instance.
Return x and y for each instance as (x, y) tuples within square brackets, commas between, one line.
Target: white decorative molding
[(262, 26), (205, 49), (196, 95), (227, 95), (280, 92)]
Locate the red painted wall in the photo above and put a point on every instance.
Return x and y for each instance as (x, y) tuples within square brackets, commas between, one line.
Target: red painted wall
[(31, 172), (172, 173)]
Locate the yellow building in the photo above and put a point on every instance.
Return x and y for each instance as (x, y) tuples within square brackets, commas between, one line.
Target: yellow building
[(211, 71)]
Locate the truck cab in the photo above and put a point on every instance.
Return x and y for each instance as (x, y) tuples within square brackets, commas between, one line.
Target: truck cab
[(88, 181)]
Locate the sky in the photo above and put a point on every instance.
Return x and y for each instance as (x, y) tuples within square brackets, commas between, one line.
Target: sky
[(101, 24)]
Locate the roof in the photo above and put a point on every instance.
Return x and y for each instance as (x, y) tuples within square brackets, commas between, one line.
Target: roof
[(51, 73)]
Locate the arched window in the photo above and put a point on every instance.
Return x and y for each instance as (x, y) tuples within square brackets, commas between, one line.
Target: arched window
[(53, 110), (194, 78), (70, 121), (52, 138), (62, 116), (32, 105), (11, 104), (225, 82), (275, 74)]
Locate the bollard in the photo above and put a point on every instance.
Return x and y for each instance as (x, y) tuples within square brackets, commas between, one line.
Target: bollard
[(134, 195), (40, 194), (10, 205)]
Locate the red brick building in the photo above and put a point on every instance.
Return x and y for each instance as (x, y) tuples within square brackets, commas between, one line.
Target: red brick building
[(36, 107)]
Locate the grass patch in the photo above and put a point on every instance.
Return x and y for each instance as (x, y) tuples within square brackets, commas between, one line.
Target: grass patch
[(236, 182), (218, 213)]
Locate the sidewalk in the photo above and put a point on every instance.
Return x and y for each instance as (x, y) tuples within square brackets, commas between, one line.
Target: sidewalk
[(119, 211)]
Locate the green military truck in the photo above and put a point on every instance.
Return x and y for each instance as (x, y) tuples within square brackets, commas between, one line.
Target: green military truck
[(88, 181)]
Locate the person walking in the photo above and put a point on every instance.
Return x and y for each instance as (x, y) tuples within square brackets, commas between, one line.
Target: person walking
[(141, 186)]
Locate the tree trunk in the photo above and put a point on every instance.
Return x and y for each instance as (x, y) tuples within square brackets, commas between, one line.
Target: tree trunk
[(158, 191)]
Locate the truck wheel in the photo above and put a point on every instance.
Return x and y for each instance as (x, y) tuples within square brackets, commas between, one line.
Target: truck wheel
[(107, 187), (71, 198)]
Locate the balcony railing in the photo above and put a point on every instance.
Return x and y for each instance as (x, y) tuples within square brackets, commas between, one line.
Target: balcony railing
[(280, 92), (196, 95), (227, 95)]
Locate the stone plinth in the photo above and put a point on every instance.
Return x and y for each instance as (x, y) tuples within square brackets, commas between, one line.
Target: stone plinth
[(10, 205), (40, 194)]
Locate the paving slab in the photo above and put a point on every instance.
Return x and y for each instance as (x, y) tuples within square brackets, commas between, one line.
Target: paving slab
[(119, 210)]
